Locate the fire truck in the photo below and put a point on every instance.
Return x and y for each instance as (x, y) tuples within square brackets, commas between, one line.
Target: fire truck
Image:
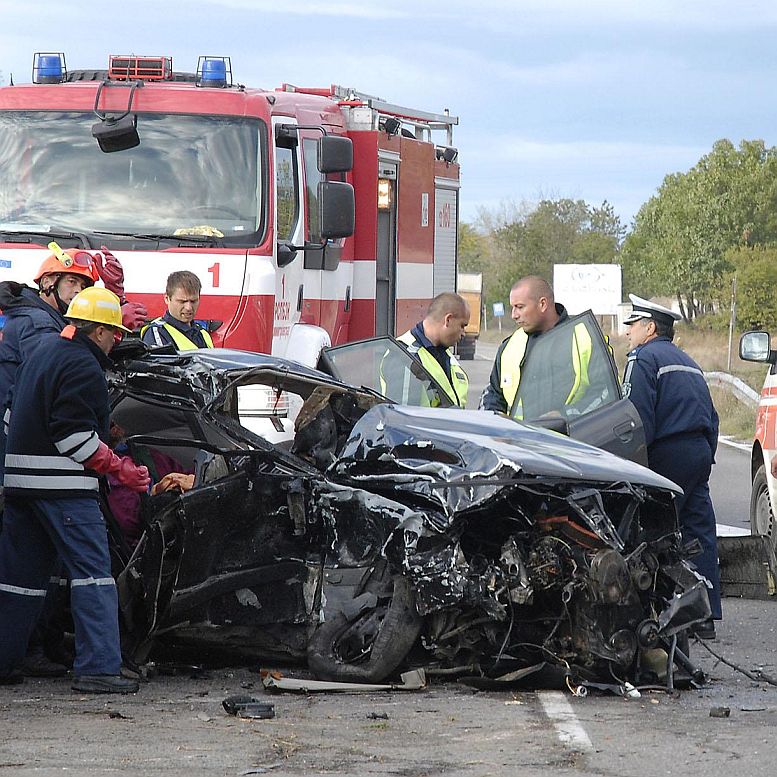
[(311, 216)]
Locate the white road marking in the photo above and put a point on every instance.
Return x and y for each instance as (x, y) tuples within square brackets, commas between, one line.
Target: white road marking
[(568, 728)]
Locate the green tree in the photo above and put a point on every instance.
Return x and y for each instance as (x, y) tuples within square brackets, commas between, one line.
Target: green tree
[(680, 238), (756, 272), (561, 231)]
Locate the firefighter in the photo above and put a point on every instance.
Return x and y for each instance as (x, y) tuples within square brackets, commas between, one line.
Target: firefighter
[(432, 339), (178, 326), (30, 313), (535, 312), (55, 451), (681, 430)]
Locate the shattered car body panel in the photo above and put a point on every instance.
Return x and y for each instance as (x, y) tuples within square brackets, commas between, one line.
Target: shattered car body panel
[(331, 526)]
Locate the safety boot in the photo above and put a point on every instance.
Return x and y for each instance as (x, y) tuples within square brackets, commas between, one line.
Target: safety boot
[(37, 664), (104, 683)]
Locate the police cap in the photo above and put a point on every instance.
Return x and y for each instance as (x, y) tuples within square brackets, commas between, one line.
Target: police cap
[(642, 308)]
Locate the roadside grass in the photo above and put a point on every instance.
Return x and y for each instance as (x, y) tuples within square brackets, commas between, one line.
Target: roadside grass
[(710, 350)]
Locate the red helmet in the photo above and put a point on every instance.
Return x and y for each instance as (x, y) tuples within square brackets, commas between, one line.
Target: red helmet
[(73, 261)]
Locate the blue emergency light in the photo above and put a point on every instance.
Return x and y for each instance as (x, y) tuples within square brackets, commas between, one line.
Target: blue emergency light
[(48, 68), (214, 71)]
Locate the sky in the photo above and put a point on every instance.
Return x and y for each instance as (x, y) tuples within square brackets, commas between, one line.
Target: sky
[(588, 99)]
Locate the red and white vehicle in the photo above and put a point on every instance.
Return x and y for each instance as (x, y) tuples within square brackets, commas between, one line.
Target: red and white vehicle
[(756, 347), (253, 190)]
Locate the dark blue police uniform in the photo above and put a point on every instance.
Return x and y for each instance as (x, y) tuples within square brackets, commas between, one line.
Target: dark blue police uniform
[(681, 429)]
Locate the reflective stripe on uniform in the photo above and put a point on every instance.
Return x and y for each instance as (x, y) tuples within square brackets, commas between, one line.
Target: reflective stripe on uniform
[(15, 589), (31, 461), (678, 368), (50, 482), (581, 358), (79, 445), (82, 581)]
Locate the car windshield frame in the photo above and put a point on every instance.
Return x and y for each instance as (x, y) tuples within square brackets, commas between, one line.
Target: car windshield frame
[(191, 174), (385, 366)]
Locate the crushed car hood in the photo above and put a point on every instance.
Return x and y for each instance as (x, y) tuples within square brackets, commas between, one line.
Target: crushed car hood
[(470, 445)]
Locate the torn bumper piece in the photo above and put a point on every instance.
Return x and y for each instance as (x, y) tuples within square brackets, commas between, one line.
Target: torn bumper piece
[(414, 680)]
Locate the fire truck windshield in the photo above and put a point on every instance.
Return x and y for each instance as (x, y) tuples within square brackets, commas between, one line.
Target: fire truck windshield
[(191, 174)]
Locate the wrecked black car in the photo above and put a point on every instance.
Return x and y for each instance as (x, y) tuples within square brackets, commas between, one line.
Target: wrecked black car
[(328, 526)]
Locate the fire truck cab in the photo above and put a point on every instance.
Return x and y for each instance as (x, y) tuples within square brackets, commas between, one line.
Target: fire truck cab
[(311, 216)]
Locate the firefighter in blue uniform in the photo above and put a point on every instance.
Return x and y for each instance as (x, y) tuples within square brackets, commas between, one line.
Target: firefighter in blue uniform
[(432, 339), (681, 430), (54, 453)]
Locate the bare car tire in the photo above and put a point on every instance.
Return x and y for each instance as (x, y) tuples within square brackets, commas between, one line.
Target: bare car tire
[(396, 634), (761, 515)]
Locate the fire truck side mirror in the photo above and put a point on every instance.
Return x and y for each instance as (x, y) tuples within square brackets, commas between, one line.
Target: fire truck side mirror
[(335, 154), (337, 209), (116, 134), (286, 253)]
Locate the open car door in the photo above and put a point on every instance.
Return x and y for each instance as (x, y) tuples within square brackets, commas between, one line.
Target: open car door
[(586, 404), (384, 365)]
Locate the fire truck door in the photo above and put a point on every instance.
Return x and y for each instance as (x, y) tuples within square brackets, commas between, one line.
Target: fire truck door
[(289, 227), (386, 251)]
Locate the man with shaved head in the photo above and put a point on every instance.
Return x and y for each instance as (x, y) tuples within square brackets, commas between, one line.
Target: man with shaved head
[(432, 339), (535, 312)]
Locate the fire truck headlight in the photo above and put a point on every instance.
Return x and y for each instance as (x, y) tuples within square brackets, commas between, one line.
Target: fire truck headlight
[(384, 193), (48, 68)]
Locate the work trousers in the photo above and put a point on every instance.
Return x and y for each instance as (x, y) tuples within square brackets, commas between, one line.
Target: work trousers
[(36, 532), (688, 462)]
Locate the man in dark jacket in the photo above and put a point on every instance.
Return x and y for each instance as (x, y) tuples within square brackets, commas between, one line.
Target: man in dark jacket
[(55, 452), (681, 430)]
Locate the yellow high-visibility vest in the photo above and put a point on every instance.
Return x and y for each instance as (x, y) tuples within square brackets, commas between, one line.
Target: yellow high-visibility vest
[(181, 341), (456, 388), (513, 355)]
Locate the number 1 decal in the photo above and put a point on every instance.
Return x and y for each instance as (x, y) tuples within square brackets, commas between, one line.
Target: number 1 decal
[(214, 271)]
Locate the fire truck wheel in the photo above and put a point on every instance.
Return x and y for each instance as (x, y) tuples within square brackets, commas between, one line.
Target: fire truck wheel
[(761, 515), (370, 646)]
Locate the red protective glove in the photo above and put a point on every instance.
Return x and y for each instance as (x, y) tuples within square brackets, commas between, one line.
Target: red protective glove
[(111, 272), (104, 461), (133, 315)]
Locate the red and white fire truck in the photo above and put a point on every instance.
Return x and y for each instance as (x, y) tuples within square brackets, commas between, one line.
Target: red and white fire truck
[(308, 214)]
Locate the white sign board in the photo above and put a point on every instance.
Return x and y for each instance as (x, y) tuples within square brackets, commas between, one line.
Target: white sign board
[(499, 309), (580, 287)]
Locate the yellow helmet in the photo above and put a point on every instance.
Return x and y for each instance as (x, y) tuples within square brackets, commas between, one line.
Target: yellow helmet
[(97, 305)]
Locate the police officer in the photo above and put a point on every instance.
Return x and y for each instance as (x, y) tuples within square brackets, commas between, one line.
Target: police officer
[(178, 326), (535, 312), (55, 451), (432, 339), (681, 429)]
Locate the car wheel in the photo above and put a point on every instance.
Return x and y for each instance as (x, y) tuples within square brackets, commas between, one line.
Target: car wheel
[(370, 646), (761, 515)]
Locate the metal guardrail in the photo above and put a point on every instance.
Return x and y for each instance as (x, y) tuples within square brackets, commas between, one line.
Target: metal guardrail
[(735, 386)]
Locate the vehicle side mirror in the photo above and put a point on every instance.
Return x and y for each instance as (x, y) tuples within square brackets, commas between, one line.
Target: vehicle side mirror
[(756, 347), (337, 209), (335, 154), (116, 134), (285, 253)]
